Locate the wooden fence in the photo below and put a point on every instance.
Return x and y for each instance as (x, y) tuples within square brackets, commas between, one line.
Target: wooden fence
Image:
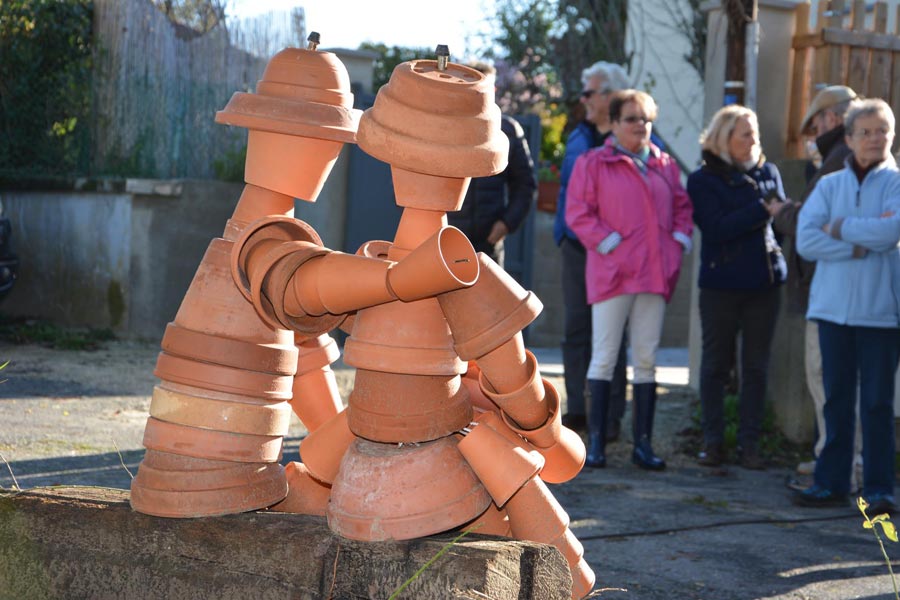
[(842, 50), (156, 93)]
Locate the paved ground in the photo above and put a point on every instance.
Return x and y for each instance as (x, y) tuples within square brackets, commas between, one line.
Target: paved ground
[(74, 418)]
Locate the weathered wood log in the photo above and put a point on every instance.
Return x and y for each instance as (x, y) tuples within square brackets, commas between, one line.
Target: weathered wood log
[(88, 543)]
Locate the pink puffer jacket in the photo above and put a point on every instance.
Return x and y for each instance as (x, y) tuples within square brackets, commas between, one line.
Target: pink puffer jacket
[(608, 193)]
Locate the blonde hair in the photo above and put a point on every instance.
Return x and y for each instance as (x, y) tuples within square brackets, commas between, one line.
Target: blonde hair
[(717, 135)]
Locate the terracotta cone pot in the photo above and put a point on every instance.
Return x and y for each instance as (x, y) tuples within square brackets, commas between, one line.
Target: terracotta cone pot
[(402, 492), (435, 122), (526, 406), (323, 449), (445, 261), (403, 337), (490, 312), (392, 407), (492, 521), (301, 114), (306, 495), (501, 466)]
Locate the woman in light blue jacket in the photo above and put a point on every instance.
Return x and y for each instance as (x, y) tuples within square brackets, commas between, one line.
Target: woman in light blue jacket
[(850, 225)]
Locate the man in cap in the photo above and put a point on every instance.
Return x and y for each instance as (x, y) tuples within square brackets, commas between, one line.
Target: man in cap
[(825, 121)]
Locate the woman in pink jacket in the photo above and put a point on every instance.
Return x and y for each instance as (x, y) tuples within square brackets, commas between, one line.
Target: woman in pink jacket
[(626, 204)]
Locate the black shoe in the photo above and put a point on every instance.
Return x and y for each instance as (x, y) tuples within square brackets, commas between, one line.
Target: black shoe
[(613, 430), (644, 457), (598, 414), (816, 496), (880, 504), (712, 456), (596, 454), (643, 408), (577, 423), (750, 459)]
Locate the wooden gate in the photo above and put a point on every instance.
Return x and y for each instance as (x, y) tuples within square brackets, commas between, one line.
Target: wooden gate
[(842, 50)]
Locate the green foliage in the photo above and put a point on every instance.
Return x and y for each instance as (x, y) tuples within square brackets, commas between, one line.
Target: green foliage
[(391, 56), (889, 530), (230, 166), (19, 330), (45, 86)]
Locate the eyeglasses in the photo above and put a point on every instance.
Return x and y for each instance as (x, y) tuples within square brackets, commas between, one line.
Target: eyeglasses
[(867, 133), (632, 119), (588, 93)]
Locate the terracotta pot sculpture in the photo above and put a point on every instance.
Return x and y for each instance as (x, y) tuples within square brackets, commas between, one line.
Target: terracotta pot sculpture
[(323, 449), (502, 478), (306, 495)]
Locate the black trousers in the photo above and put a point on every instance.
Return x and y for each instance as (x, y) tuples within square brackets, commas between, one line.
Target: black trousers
[(724, 313)]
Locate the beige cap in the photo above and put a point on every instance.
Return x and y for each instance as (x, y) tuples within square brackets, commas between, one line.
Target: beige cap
[(826, 98)]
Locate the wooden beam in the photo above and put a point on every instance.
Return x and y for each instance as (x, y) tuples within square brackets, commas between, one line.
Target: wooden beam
[(879, 81), (799, 85), (842, 37), (836, 53), (820, 57), (859, 56)]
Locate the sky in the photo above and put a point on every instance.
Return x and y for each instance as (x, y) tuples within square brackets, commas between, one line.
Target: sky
[(418, 23)]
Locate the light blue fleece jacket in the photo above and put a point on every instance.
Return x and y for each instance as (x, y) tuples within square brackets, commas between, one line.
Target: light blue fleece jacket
[(857, 280)]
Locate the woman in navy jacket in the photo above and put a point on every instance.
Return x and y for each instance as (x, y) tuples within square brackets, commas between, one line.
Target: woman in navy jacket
[(735, 194)]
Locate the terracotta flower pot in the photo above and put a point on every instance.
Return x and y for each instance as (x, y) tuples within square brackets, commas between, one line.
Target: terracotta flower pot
[(220, 415), (166, 461), (564, 459), (476, 396), (428, 192), (226, 379), (583, 579), (340, 283), (272, 160), (376, 248), (306, 496), (213, 445), (246, 474), (227, 351), (489, 313), (549, 432), (315, 352), (526, 406), (403, 337), (441, 123), (210, 502), (391, 407), (316, 397), (256, 202), (416, 226), (213, 304), (494, 421), (444, 262), (323, 449), (402, 492), (534, 514), (501, 466), (492, 521), (507, 367)]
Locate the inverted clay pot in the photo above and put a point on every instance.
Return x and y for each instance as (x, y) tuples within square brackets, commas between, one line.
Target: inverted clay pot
[(316, 397), (306, 495), (220, 415), (501, 466), (489, 313), (402, 492), (209, 444), (445, 261), (301, 114), (238, 474), (191, 503), (232, 380), (323, 449), (403, 337), (525, 406), (437, 122), (416, 226), (494, 421), (548, 433), (230, 352), (534, 514), (256, 202), (392, 407), (507, 367), (428, 192)]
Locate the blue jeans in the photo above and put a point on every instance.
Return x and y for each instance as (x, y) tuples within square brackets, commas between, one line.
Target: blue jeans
[(864, 356)]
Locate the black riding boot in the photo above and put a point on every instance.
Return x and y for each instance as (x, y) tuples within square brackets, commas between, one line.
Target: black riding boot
[(598, 415), (643, 407)]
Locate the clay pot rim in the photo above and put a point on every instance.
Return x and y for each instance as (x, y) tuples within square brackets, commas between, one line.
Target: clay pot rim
[(290, 117), (227, 351), (500, 332), (548, 434)]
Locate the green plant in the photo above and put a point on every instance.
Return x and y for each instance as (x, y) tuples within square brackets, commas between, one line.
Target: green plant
[(230, 166), (889, 530), (21, 330)]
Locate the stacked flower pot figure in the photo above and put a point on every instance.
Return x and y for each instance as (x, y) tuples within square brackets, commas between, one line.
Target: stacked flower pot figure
[(449, 424)]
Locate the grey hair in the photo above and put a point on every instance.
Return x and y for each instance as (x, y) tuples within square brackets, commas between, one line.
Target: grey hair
[(716, 137), (864, 108), (615, 76)]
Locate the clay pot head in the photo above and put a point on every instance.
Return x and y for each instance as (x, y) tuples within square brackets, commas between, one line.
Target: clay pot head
[(300, 115), (436, 122)]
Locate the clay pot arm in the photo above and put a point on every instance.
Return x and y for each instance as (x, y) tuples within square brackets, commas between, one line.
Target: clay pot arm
[(316, 397)]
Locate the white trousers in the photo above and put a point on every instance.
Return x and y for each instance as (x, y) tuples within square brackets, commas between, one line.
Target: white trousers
[(644, 315)]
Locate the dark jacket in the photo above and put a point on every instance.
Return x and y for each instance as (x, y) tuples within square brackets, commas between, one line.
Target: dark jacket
[(584, 137), (506, 197), (833, 149), (738, 247)]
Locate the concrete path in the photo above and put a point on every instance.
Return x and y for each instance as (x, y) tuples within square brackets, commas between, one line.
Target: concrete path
[(686, 533)]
